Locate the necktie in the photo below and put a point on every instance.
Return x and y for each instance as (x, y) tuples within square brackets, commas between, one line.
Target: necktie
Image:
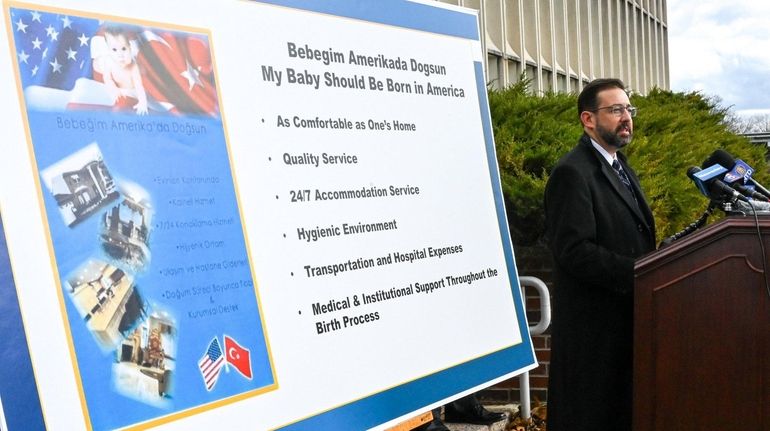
[(623, 177)]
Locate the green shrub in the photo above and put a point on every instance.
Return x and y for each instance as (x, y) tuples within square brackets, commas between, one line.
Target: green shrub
[(672, 132)]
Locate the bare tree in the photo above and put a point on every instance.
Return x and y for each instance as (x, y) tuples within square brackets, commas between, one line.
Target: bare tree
[(757, 123), (736, 123), (763, 123)]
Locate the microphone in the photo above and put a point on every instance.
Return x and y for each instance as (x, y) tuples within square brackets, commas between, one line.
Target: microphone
[(739, 170), (750, 192), (719, 157), (740, 164), (711, 186)]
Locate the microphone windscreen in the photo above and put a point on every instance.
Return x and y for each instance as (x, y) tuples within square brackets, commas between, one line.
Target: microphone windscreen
[(719, 157), (692, 171)]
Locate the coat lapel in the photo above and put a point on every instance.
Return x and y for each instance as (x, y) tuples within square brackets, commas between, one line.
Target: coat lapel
[(618, 186), (620, 189), (643, 207)]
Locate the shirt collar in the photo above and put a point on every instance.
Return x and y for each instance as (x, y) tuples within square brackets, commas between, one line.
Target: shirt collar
[(607, 156)]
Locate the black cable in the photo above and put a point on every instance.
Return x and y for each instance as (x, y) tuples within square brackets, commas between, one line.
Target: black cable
[(761, 247), (692, 227)]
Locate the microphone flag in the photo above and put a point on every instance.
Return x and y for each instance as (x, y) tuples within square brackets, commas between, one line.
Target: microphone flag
[(702, 177), (238, 356), (741, 171)]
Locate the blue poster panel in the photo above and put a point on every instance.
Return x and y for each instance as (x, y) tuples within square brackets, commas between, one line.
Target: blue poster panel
[(142, 213), (19, 400)]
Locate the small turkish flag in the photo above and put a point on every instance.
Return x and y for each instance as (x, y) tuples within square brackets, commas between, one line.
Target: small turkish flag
[(238, 356)]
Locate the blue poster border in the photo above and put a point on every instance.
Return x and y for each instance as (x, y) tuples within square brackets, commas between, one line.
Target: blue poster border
[(400, 400), (18, 389), (399, 13)]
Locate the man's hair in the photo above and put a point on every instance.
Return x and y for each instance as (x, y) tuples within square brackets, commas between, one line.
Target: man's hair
[(588, 98)]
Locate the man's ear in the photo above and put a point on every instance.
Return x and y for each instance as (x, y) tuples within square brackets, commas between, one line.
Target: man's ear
[(587, 118)]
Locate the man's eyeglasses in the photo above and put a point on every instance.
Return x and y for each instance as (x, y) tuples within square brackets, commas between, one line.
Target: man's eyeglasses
[(617, 110)]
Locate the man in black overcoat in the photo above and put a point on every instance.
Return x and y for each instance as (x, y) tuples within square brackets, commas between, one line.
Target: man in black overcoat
[(597, 223)]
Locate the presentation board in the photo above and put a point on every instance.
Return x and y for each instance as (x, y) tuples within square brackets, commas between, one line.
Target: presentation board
[(285, 214)]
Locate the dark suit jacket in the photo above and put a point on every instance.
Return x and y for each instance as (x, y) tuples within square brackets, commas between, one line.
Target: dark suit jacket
[(595, 230)]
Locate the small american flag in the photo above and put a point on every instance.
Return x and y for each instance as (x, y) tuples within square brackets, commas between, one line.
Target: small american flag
[(211, 364)]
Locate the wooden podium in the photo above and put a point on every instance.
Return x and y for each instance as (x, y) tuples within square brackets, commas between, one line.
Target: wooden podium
[(702, 331)]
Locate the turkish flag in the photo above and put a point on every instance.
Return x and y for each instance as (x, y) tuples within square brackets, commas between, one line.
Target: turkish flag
[(177, 70), (238, 356)]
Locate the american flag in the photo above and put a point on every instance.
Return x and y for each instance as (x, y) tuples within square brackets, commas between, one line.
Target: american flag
[(211, 364), (52, 50)]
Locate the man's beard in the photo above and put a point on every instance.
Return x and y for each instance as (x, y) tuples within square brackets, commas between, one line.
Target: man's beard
[(613, 139)]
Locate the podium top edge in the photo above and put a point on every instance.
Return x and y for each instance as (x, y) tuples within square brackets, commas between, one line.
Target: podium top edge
[(712, 232)]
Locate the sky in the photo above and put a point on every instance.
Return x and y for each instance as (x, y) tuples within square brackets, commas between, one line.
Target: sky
[(722, 48)]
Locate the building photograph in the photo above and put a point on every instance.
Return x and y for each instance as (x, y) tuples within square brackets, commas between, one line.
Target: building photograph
[(81, 184), (107, 301), (125, 232)]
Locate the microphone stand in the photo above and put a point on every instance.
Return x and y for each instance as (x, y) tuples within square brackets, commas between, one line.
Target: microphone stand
[(761, 188), (692, 227)]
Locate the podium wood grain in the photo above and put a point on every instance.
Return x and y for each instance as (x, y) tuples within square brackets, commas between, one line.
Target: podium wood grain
[(702, 331)]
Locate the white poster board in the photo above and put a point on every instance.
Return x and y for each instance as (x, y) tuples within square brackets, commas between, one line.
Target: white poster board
[(282, 213)]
